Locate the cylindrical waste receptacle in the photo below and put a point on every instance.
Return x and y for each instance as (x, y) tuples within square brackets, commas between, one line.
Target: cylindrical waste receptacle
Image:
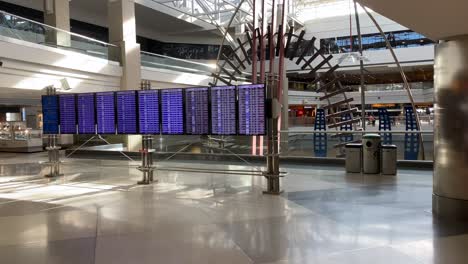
[(371, 153), (353, 157), (389, 159)]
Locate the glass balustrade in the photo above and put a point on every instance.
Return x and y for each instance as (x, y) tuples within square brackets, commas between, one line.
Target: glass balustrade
[(395, 86), (330, 144), (294, 144), (158, 61), (180, 65), (304, 86), (20, 28)]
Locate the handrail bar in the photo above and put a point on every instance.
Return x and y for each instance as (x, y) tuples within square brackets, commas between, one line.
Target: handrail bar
[(178, 59), (358, 132), (58, 29)]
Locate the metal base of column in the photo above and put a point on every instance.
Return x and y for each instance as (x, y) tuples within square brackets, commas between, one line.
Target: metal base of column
[(273, 184), (54, 168), (144, 182), (147, 181), (449, 209), (53, 175), (273, 192), (148, 175)]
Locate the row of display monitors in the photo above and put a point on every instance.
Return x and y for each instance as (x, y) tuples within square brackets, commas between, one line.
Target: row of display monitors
[(224, 110)]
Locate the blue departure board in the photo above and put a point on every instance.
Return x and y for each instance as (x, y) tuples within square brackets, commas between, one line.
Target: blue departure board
[(67, 110), (172, 111), (223, 110), (148, 111), (86, 113), (196, 111), (50, 114), (126, 112), (105, 109), (251, 106)]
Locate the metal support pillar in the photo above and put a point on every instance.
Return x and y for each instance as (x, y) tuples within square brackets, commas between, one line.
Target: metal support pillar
[(147, 160), (53, 149), (147, 150), (450, 196), (361, 69), (272, 173)]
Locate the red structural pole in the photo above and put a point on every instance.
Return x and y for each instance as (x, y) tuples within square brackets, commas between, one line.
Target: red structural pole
[(281, 65), (272, 37), (254, 61), (254, 42), (263, 26), (281, 52)]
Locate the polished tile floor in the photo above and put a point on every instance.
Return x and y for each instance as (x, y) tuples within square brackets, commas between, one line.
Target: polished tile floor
[(96, 213)]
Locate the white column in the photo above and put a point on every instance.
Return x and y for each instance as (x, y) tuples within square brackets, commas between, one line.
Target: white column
[(122, 33), (57, 14)]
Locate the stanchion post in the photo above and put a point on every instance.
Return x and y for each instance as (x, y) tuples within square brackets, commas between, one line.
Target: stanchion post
[(53, 149), (146, 150)]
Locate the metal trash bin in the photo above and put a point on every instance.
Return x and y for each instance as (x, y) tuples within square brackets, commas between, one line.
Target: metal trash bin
[(389, 159), (353, 157), (371, 153)]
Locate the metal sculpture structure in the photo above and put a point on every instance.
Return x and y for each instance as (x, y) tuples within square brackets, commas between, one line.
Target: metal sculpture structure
[(274, 41), (293, 46), (402, 73)]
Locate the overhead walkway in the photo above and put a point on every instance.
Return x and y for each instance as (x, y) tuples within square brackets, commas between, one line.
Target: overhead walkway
[(35, 55), (20, 28)]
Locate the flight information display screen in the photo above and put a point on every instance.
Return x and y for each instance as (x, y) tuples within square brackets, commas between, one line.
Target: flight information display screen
[(126, 112), (50, 114), (223, 110), (86, 114), (148, 111), (251, 107), (196, 111), (172, 111), (105, 113), (67, 110)]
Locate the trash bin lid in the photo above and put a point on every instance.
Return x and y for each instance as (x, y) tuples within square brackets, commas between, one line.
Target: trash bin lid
[(388, 146), (353, 145), (371, 136)]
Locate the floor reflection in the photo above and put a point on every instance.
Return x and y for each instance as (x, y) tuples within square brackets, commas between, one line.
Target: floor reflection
[(96, 213)]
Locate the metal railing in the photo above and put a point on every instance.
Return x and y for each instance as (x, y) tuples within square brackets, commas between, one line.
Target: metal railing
[(304, 86), (398, 121), (330, 144), (293, 144), (158, 61), (395, 86), (21, 28), (180, 65)]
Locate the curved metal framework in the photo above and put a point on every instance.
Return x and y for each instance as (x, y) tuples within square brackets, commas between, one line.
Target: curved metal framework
[(402, 73), (231, 66)]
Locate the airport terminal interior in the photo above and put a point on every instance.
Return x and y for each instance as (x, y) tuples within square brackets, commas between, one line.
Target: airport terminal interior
[(233, 131)]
